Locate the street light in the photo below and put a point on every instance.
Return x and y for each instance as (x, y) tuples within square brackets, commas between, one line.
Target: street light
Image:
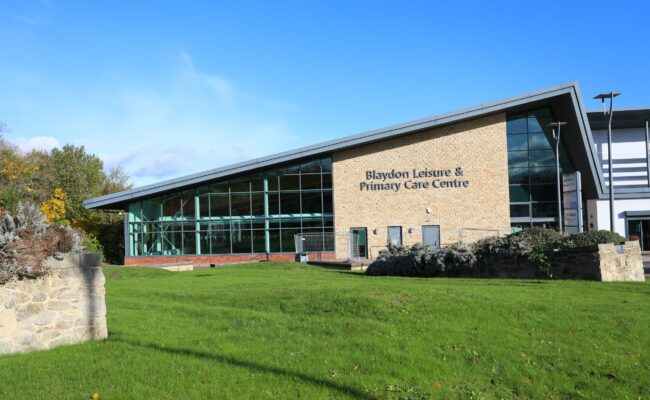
[(556, 139), (609, 114)]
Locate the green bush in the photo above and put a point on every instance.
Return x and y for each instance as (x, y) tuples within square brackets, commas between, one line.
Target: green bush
[(540, 239), (492, 248), (92, 245), (458, 259), (591, 238), (542, 242), (422, 260), (402, 261), (536, 245)]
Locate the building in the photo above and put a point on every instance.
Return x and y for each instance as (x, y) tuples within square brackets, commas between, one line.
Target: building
[(454, 177), (630, 144)]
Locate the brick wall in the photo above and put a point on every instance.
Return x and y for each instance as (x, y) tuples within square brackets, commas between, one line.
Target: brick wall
[(477, 146), (204, 260)]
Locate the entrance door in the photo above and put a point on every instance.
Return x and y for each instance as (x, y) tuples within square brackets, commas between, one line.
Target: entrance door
[(639, 229), (431, 236), (358, 243)]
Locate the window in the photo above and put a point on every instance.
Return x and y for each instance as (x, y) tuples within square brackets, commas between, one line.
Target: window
[(395, 235), (230, 216), (531, 168)]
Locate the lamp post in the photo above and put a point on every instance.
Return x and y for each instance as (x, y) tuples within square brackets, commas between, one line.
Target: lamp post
[(556, 139), (609, 114)]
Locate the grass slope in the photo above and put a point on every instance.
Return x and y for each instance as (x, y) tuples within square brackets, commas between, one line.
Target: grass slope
[(282, 330)]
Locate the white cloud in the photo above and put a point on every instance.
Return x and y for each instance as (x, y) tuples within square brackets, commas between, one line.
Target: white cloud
[(36, 143), (186, 121), (197, 121)]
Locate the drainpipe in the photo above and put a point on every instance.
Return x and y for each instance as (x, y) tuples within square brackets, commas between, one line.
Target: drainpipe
[(267, 233)]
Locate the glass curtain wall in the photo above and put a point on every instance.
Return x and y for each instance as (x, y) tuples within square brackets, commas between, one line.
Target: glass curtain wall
[(230, 217), (531, 169)]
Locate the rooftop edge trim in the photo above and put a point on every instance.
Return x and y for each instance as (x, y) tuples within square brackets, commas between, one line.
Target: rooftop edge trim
[(345, 142)]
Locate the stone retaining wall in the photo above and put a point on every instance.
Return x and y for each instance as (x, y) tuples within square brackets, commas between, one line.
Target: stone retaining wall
[(605, 262), (68, 306)]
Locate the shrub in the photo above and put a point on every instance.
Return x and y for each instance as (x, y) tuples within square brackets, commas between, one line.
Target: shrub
[(511, 246), (540, 239), (542, 242), (458, 259), (591, 238), (401, 260), (26, 242), (92, 245), (422, 260), (535, 244)]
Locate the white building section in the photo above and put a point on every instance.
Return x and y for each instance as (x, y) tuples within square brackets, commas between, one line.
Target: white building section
[(630, 163), (598, 213)]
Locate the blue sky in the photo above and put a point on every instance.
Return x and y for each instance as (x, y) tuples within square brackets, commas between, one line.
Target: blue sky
[(170, 88)]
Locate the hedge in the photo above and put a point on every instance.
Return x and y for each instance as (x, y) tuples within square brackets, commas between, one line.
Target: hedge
[(533, 245)]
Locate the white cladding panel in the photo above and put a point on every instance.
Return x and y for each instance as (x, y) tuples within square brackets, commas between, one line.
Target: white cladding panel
[(598, 213), (630, 159)]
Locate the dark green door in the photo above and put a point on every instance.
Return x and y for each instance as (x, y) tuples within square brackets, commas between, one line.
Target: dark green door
[(358, 243)]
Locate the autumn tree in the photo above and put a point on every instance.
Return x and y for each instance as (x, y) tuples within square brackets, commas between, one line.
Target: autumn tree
[(60, 180), (79, 175), (15, 174), (54, 208)]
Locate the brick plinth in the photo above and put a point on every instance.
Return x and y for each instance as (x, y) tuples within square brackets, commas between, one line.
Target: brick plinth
[(204, 260)]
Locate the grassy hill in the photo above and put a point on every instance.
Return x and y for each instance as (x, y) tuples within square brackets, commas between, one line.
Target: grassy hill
[(283, 330)]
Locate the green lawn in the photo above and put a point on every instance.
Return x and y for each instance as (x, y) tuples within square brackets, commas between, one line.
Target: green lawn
[(282, 330)]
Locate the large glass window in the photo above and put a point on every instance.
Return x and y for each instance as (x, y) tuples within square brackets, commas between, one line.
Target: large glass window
[(231, 216), (531, 168)]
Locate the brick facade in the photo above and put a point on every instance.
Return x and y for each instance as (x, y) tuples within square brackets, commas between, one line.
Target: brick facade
[(206, 260), (477, 146)]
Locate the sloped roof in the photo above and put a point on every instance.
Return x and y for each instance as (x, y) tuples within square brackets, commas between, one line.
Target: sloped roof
[(511, 104)]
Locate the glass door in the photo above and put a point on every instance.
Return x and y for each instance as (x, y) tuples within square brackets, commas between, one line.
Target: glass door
[(639, 229), (358, 243)]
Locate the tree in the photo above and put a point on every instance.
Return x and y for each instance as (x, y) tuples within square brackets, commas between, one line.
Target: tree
[(54, 208), (79, 175), (60, 181), (15, 174), (115, 181)]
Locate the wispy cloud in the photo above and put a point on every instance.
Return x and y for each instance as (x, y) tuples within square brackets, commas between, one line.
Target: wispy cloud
[(190, 120), (45, 143)]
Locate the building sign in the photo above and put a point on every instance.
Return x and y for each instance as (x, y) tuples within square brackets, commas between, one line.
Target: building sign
[(396, 180), (572, 202)]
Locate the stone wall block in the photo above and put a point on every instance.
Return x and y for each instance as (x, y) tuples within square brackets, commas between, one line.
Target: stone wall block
[(66, 307), (8, 323), (604, 262)]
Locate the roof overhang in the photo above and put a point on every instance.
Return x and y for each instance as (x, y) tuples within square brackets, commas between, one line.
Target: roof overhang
[(621, 119), (564, 100)]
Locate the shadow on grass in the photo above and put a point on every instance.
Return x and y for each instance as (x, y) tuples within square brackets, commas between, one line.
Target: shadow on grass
[(247, 364), (475, 280)]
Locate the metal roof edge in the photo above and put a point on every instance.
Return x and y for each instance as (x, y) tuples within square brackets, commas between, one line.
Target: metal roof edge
[(338, 144), (588, 139), (616, 110)]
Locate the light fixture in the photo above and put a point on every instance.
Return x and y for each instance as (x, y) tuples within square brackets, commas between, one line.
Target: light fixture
[(410, 230), (374, 231), (556, 139), (602, 98)]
